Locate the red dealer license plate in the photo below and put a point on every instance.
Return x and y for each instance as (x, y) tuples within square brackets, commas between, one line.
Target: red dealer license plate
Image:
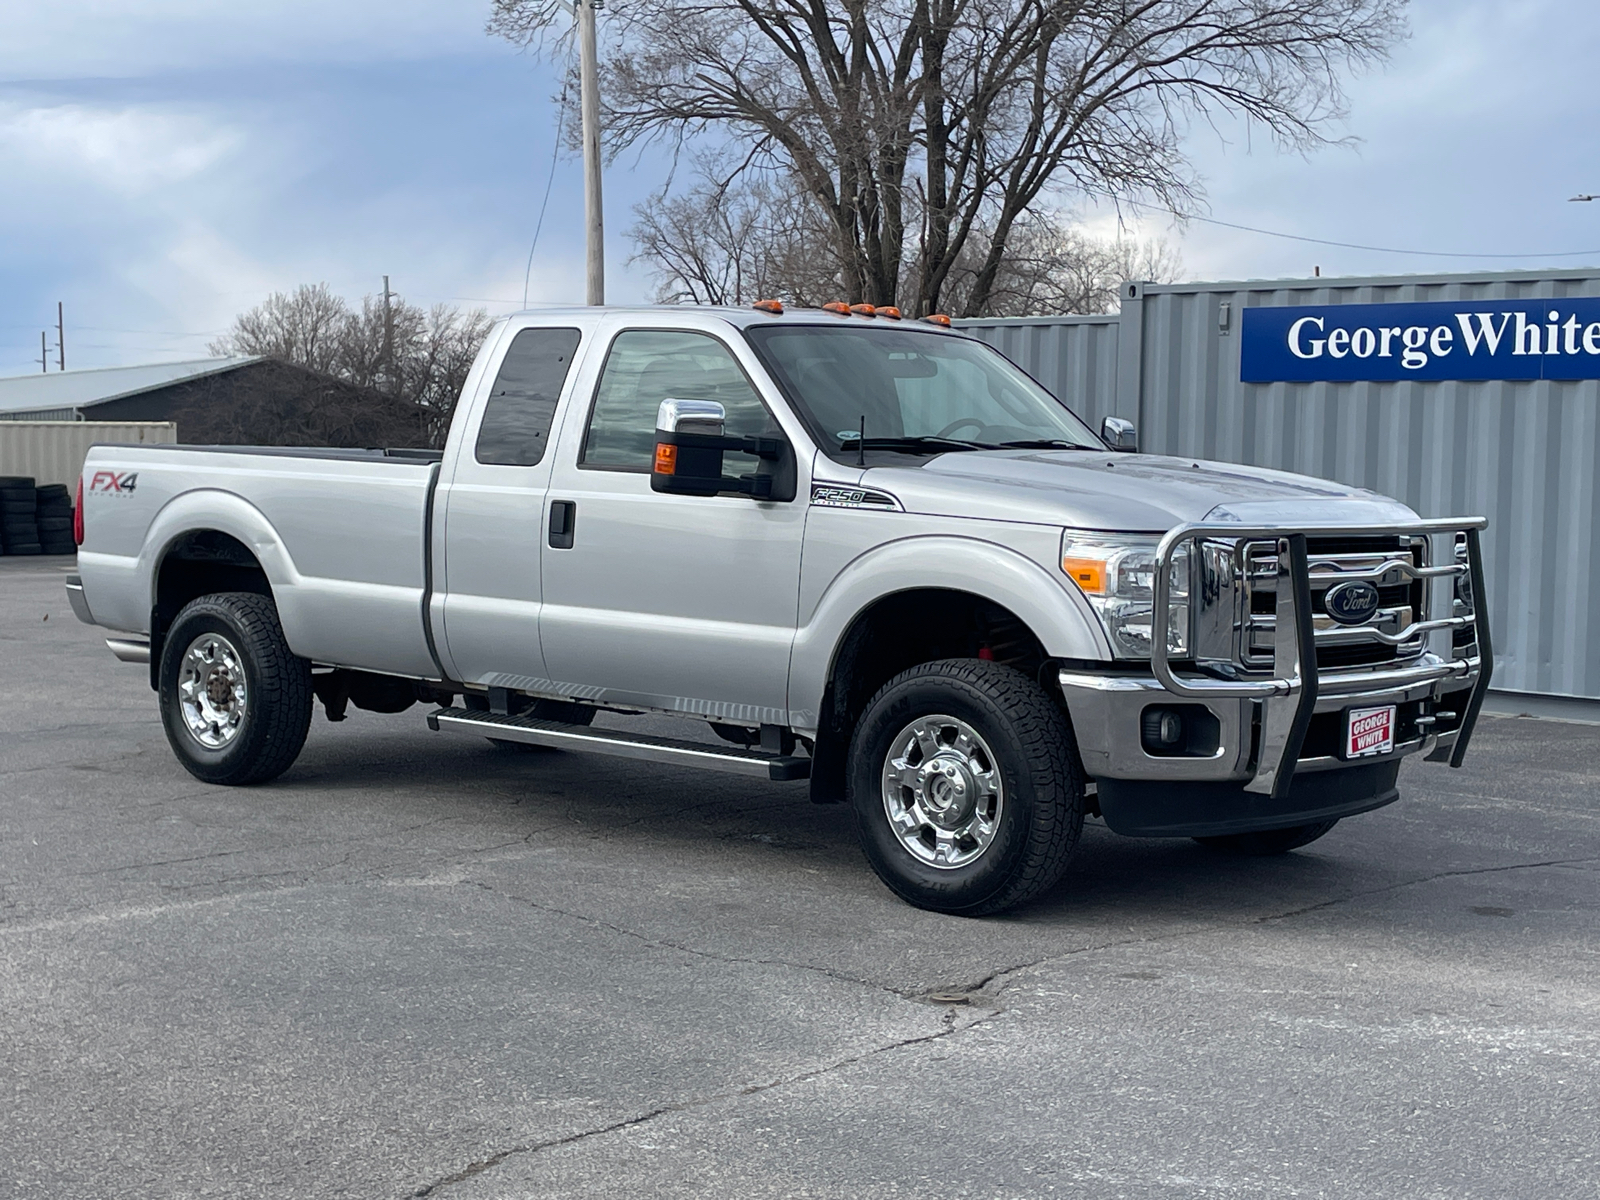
[(1369, 731)]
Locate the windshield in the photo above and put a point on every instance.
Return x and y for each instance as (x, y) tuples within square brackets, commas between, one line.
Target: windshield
[(915, 392)]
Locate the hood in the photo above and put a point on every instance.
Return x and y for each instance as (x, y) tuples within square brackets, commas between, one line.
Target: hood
[(1133, 493)]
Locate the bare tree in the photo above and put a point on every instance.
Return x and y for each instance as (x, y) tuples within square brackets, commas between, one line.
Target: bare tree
[(419, 357), (306, 326), (732, 244), (1052, 266), (917, 126)]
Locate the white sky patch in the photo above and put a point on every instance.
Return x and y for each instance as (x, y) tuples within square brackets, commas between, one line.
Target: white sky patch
[(129, 151)]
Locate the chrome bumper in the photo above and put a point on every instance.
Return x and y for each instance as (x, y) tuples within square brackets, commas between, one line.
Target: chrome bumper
[(1263, 723), (80, 604)]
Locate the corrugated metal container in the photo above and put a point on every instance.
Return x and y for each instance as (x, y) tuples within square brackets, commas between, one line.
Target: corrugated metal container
[(53, 451), (1524, 453)]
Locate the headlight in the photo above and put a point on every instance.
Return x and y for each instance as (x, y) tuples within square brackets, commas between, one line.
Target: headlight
[(1117, 574)]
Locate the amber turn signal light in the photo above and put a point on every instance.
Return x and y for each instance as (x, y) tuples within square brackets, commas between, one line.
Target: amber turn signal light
[(666, 459), (938, 319), (888, 311), (837, 306), (775, 307), (1088, 573), (864, 310)]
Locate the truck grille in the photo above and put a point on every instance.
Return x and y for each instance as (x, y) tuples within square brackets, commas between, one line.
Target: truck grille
[(1253, 593)]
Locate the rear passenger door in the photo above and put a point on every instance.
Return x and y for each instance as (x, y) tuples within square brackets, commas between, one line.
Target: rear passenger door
[(493, 514)]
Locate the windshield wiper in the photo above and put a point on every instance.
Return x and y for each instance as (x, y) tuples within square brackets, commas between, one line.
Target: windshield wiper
[(912, 445), (1042, 444)]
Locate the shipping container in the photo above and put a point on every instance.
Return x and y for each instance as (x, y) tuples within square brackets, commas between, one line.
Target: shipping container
[(53, 451)]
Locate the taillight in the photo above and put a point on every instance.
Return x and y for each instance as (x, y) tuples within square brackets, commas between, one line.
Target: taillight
[(77, 514)]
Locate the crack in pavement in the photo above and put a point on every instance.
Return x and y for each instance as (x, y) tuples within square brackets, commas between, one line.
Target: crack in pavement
[(712, 956), (755, 1089), (1405, 883)]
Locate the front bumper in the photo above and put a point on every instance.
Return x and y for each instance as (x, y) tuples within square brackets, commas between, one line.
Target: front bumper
[(1108, 711), (1262, 735)]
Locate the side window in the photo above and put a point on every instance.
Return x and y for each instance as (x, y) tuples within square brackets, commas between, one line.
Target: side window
[(522, 403), (647, 366)]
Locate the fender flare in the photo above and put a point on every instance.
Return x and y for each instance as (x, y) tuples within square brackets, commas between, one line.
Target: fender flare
[(225, 512), (1057, 615)]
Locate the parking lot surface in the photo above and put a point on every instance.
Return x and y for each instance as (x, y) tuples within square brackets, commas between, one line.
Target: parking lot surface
[(419, 965)]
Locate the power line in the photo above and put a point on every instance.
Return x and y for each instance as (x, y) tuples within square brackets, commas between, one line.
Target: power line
[(1296, 237), (555, 153)]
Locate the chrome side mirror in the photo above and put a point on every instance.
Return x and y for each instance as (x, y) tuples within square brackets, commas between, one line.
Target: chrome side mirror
[(691, 416), (690, 442), (1119, 434)]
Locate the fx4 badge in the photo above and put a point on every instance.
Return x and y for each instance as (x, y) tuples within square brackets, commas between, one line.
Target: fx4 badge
[(109, 482)]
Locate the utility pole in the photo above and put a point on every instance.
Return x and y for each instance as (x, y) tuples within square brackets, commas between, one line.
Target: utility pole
[(61, 335), (388, 337), (593, 211), (44, 354)]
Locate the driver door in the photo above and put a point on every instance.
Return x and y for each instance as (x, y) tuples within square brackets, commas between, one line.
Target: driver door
[(684, 603)]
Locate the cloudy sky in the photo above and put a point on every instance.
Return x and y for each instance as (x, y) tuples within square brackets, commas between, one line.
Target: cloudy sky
[(167, 163)]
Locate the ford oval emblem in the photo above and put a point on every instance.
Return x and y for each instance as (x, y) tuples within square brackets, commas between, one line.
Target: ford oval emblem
[(1352, 603)]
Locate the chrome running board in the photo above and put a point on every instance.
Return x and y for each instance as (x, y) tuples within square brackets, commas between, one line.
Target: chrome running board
[(738, 760)]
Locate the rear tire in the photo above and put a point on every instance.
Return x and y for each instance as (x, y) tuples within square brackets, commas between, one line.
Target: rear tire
[(967, 787), (1267, 842), (235, 701)]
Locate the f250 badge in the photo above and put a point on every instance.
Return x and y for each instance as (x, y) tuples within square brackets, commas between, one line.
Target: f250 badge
[(111, 483), (832, 496)]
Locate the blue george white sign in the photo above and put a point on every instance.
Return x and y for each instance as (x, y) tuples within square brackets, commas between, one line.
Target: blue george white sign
[(1470, 339)]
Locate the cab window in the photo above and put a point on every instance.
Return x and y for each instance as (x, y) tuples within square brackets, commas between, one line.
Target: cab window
[(645, 367), (522, 403)]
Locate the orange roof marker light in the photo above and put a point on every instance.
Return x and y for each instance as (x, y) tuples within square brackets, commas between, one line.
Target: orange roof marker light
[(892, 313), (864, 310), (938, 319), (775, 307), (838, 306)]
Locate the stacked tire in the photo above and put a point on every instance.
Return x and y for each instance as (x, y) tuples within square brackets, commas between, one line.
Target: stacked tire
[(19, 515), (55, 519)]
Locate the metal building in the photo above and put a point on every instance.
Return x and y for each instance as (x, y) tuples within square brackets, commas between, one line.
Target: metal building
[(1510, 430)]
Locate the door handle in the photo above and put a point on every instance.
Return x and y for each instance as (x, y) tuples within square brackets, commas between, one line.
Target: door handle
[(563, 521)]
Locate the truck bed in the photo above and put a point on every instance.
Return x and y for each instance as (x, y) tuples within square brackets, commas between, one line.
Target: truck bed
[(341, 535)]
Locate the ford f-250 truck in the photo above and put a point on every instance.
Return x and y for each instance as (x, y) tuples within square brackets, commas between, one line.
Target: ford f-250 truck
[(870, 552)]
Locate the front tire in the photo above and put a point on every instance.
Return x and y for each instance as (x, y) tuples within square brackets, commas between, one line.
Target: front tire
[(235, 701), (967, 787)]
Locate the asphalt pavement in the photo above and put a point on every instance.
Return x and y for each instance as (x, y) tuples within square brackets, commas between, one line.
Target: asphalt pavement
[(420, 965)]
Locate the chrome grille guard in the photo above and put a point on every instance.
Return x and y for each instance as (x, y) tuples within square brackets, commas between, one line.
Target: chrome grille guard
[(1289, 696)]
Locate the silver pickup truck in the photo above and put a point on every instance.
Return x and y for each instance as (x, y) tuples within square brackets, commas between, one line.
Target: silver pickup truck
[(869, 552)]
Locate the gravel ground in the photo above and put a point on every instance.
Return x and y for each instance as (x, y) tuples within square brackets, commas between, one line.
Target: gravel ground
[(418, 965)]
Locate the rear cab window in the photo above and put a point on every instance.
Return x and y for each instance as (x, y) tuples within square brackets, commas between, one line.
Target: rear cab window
[(515, 430)]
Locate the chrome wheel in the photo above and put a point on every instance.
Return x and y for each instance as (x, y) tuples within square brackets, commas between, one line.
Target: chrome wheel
[(942, 791), (212, 692)]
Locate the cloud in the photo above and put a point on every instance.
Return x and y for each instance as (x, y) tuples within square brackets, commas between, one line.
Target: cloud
[(127, 150)]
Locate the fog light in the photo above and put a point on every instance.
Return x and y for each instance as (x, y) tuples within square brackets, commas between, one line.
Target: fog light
[(1161, 729)]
